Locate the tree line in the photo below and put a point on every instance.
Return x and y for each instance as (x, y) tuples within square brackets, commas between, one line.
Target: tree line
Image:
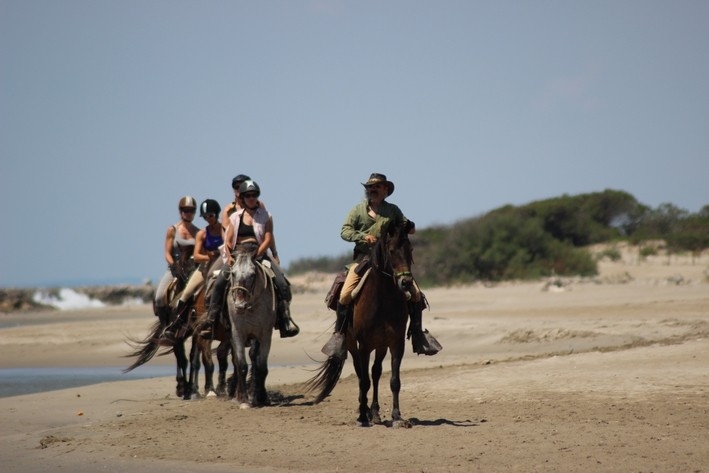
[(539, 239)]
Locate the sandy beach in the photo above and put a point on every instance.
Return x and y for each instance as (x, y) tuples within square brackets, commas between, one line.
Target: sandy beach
[(609, 374)]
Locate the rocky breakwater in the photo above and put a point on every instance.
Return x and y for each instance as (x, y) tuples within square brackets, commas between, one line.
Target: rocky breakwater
[(33, 299)]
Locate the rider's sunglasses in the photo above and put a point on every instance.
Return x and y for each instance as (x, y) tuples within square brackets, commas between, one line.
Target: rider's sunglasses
[(250, 196), (187, 210), (210, 215)]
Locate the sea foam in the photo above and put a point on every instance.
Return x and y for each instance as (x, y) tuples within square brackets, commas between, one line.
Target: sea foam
[(67, 299)]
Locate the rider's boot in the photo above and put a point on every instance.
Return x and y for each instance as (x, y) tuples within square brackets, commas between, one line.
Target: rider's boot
[(207, 330), (284, 322), (163, 314), (216, 302), (423, 342), (169, 334), (335, 347)]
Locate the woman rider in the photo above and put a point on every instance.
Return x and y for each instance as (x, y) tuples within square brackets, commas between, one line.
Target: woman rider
[(232, 207), (179, 243), (206, 251), (250, 223)]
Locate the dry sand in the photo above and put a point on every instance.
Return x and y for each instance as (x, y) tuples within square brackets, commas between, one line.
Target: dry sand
[(611, 375)]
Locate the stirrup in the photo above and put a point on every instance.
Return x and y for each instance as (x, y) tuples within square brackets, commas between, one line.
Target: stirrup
[(423, 343), (335, 347), (167, 338)]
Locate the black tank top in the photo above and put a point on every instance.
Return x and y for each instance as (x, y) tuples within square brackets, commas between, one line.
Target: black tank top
[(245, 231)]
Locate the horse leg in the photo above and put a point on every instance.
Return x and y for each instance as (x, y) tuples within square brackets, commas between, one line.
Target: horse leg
[(193, 383), (223, 359), (195, 354), (376, 375), (259, 365), (395, 384), (180, 376), (208, 362), (364, 385), (241, 369)]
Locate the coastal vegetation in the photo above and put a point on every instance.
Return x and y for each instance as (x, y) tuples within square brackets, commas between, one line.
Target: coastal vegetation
[(542, 238)]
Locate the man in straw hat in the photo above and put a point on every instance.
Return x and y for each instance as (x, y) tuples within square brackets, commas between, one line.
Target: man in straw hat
[(362, 227)]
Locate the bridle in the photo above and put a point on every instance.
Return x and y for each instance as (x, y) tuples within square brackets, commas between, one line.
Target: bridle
[(397, 277)]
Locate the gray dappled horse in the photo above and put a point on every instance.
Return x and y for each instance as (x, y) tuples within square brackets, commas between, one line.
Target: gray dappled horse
[(251, 305)]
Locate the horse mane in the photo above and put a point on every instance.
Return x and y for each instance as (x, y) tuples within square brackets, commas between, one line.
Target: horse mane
[(379, 254)]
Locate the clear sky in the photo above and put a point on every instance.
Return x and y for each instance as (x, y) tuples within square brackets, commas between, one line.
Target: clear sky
[(110, 111)]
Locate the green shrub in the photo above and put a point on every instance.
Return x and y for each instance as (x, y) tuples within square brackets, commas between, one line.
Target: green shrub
[(540, 239), (611, 253)]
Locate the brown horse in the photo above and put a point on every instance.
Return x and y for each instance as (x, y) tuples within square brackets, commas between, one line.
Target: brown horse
[(204, 352), (378, 324), (145, 349)]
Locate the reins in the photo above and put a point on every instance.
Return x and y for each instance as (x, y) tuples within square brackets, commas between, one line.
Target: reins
[(250, 293), (382, 259)]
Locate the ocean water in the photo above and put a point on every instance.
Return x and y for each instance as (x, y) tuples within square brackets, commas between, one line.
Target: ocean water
[(19, 381), (69, 299)]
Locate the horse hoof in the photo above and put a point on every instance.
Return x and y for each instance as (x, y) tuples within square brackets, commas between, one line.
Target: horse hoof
[(244, 405), (211, 394)]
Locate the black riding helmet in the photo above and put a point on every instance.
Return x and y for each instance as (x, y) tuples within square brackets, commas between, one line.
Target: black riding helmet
[(236, 182), (249, 186), (209, 206)]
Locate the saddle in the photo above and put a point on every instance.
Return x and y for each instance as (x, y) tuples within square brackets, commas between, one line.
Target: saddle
[(333, 295)]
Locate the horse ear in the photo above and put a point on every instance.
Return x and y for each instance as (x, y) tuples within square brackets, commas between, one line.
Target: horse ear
[(391, 228)]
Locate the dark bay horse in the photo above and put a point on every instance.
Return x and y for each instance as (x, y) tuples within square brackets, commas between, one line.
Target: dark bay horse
[(204, 354), (378, 325), (252, 315), (144, 350)]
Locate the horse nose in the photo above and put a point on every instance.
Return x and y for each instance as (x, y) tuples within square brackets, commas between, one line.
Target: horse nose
[(406, 282)]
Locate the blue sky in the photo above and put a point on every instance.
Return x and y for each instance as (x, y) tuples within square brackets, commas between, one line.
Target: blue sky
[(110, 111)]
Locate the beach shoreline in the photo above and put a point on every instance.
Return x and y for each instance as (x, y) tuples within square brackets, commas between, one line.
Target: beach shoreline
[(557, 375)]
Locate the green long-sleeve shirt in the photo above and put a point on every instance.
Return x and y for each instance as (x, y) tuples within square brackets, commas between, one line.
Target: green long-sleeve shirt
[(359, 223)]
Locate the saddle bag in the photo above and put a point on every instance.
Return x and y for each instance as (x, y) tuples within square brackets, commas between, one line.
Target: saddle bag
[(333, 295)]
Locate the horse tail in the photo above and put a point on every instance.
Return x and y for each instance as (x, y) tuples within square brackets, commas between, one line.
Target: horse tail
[(145, 349), (326, 378)]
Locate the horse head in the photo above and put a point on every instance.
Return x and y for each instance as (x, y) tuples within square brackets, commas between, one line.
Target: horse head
[(393, 255), (184, 263), (243, 275)]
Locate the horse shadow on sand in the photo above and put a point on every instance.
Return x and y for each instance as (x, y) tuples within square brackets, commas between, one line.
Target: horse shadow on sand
[(280, 399), (454, 423)]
